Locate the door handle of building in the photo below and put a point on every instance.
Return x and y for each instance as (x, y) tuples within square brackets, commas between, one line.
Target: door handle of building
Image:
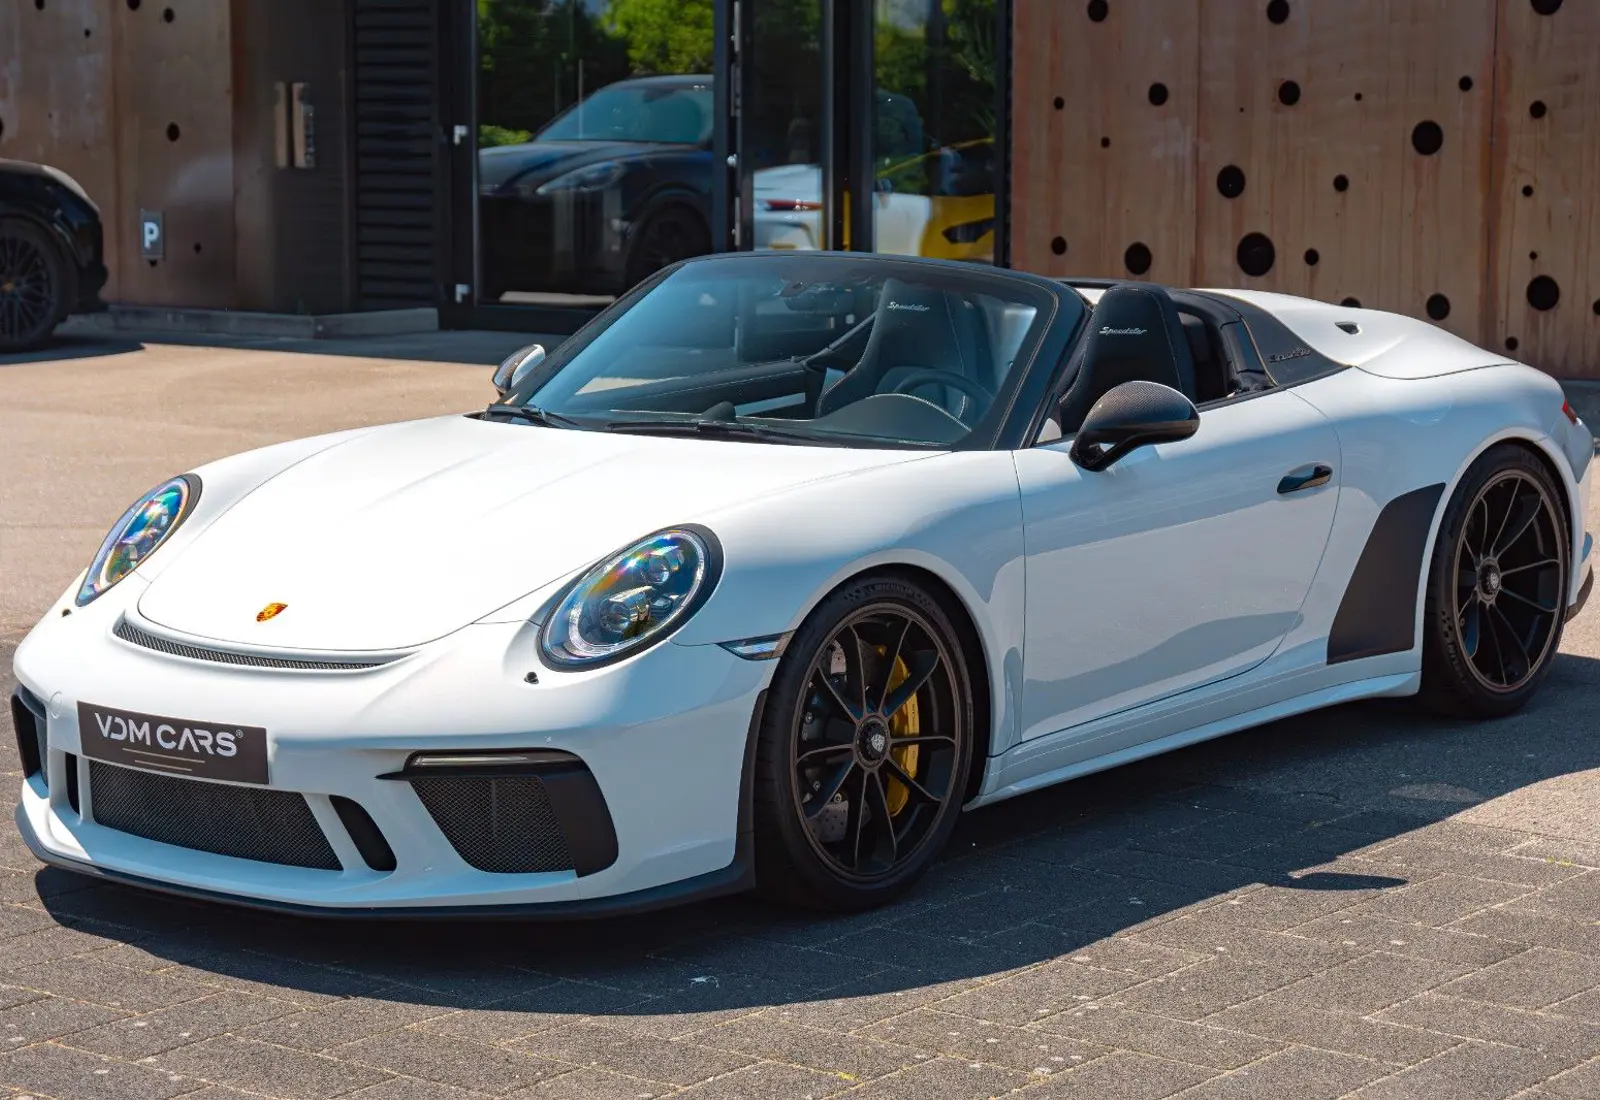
[(1305, 477)]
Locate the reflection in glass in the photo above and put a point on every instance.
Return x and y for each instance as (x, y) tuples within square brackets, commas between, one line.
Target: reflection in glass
[(594, 144), (933, 139)]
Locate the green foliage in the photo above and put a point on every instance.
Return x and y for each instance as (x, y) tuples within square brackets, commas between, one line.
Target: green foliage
[(489, 134), (663, 36)]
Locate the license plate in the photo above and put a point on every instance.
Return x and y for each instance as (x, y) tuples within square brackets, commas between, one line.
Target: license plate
[(178, 746)]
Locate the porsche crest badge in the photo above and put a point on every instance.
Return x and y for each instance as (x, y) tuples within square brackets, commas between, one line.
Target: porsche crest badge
[(270, 612)]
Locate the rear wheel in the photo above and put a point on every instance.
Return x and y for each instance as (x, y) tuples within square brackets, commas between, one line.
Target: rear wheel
[(864, 748), (33, 285), (1497, 588), (672, 233)]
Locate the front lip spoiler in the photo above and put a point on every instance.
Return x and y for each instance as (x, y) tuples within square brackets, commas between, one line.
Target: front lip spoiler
[(735, 878)]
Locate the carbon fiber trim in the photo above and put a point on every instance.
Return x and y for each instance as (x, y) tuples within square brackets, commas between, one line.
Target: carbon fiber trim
[(269, 826), (130, 633)]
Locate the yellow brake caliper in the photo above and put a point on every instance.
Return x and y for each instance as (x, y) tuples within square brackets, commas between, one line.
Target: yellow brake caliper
[(905, 723)]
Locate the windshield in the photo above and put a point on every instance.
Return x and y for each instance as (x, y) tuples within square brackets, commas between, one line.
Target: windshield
[(823, 348), (673, 114)]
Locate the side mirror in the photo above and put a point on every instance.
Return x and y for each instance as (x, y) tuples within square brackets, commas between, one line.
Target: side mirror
[(515, 367), (1134, 414)]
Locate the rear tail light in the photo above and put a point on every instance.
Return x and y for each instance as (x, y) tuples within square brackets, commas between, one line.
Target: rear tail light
[(1570, 413)]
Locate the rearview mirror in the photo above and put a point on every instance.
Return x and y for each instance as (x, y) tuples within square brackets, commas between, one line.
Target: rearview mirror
[(516, 366), (1134, 414)]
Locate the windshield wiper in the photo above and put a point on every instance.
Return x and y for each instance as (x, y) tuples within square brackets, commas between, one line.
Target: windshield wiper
[(725, 429), (534, 415)]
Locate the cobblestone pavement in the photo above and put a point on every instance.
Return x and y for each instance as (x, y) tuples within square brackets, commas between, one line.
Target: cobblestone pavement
[(1364, 902)]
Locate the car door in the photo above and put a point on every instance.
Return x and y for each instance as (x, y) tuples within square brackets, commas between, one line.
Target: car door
[(1181, 564)]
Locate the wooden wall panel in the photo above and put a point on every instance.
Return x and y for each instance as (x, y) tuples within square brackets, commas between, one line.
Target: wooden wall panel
[(1548, 240), (56, 96), (1108, 169), (174, 123), (1337, 91)]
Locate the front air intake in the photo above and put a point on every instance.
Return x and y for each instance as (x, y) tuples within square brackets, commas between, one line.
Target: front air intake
[(32, 728)]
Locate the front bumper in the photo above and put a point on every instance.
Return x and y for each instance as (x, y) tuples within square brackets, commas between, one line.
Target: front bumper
[(664, 736)]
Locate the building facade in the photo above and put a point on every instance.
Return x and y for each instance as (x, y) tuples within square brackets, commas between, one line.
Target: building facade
[(518, 163)]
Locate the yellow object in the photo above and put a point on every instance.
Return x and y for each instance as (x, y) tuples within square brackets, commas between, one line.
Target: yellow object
[(905, 723), (270, 612)]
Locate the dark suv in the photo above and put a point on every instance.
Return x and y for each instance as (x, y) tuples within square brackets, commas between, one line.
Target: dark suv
[(51, 259)]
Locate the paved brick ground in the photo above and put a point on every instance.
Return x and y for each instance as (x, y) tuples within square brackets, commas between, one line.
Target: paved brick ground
[(1363, 902)]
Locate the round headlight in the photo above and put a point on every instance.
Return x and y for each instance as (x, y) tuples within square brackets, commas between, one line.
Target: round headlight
[(633, 599), (136, 535)]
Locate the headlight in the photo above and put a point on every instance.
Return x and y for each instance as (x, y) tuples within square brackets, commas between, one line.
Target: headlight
[(136, 535), (591, 177), (632, 600)]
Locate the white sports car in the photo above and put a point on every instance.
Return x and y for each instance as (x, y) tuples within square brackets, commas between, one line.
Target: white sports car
[(771, 570)]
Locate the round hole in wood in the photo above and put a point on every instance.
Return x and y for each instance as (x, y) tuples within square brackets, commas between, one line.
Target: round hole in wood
[(1465, 84), (1527, 190), (1098, 10), (1350, 303), (133, 5), (1278, 11), (1157, 94), (173, 133), (1059, 246), (1230, 181), (1511, 343), (1537, 109), (1546, 7), (1341, 182), (1105, 143), (1255, 254), (1312, 256), (1438, 306), (1533, 255), (1427, 137), (1137, 258), (167, 15), (1358, 97), (1059, 103), (1543, 293), (1288, 93)]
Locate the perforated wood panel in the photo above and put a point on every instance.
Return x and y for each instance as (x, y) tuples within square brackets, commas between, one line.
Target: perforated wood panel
[(1439, 158), (1343, 136), (1546, 245), (1103, 184)]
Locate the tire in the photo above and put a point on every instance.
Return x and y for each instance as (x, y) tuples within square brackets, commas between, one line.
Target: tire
[(842, 830), (671, 233), (35, 285), (1497, 588)]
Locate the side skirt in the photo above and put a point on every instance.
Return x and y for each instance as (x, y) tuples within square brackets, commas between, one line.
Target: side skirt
[(1400, 683)]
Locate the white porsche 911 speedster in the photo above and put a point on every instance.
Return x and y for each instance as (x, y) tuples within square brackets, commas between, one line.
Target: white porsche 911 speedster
[(773, 568)]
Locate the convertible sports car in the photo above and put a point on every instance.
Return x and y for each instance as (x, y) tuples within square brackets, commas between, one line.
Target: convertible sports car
[(772, 569)]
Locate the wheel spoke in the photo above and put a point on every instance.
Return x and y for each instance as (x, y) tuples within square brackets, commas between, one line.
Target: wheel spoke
[(824, 794), (1514, 530), (1544, 563), (1539, 607), (1511, 506), (1508, 628), (923, 666), (855, 672), (834, 695), (892, 661), (1498, 646), (880, 814), (858, 818), (917, 790), (923, 741), (816, 756), (1479, 511)]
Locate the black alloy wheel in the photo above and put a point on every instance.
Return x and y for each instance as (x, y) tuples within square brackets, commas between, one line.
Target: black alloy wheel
[(865, 747), (670, 234), (1497, 600), (31, 284)]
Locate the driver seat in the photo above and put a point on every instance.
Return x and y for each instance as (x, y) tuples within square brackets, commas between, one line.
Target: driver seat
[(1135, 334), (916, 327)]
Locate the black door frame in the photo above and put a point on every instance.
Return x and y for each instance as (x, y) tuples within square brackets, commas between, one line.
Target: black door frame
[(848, 79)]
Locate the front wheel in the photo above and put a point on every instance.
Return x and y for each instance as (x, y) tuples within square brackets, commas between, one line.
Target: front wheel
[(33, 285), (863, 750), (1497, 588)]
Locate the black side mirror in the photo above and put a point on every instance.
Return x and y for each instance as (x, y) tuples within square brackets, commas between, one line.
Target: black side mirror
[(515, 367), (1134, 414)]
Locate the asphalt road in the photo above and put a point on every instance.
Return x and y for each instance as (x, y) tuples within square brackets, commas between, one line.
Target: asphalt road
[(1360, 902)]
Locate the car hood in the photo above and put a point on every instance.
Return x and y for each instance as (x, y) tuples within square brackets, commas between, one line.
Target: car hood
[(536, 162), (401, 535)]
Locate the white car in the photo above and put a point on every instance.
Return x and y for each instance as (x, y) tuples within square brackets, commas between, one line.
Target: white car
[(775, 567)]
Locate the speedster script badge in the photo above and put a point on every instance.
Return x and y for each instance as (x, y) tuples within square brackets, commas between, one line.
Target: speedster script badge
[(179, 746)]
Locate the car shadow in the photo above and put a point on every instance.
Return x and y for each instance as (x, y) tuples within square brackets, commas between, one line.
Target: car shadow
[(1287, 808), (66, 347)]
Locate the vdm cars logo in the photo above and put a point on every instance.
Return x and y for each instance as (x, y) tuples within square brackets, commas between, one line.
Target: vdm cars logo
[(271, 611)]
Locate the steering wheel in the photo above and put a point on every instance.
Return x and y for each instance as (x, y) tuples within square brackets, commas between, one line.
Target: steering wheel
[(972, 393)]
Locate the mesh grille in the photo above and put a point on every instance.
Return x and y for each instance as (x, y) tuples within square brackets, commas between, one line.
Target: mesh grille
[(503, 825), (244, 822), (130, 633)]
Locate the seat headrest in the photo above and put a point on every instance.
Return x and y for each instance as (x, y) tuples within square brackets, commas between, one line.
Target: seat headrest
[(1136, 333)]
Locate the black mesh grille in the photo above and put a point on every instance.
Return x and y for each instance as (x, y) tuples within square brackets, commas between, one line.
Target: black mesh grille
[(504, 825), (130, 633), (245, 822)]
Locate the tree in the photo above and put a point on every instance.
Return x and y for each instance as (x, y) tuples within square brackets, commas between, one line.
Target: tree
[(663, 36)]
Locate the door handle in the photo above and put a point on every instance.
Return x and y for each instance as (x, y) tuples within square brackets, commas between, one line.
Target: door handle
[(1305, 477)]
